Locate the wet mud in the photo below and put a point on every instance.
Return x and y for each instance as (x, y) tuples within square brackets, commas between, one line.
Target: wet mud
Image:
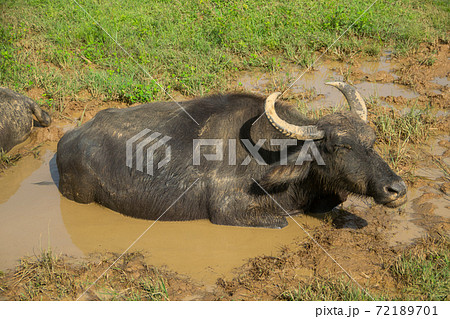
[(34, 215)]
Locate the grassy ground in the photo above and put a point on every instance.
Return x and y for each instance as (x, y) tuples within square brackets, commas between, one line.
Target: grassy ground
[(327, 289), (420, 272), (190, 47), (49, 277), (400, 134), (423, 273)]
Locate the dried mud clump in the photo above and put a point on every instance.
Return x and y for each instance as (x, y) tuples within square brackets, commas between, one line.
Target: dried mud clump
[(46, 134), (270, 277), (382, 77), (420, 69), (395, 99)]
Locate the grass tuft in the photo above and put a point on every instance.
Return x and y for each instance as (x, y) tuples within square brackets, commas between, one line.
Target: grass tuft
[(397, 132), (326, 290), (50, 277), (423, 273), (7, 159)]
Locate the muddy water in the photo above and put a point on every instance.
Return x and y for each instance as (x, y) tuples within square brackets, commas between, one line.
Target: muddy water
[(442, 207), (30, 217), (383, 64), (405, 224), (35, 216), (405, 228), (441, 81), (325, 72)]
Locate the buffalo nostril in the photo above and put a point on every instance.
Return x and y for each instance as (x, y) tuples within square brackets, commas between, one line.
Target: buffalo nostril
[(397, 189)]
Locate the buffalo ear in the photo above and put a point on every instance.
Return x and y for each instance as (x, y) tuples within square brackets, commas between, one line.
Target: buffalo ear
[(282, 175)]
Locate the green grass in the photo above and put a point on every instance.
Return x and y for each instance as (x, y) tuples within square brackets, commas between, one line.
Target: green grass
[(190, 47), (43, 276), (7, 159), (420, 272), (327, 290), (424, 272), (398, 135), (395, 132), (148, 289), (413, 126)]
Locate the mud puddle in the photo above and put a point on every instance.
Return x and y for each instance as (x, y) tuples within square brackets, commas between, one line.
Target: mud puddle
[(29, 210), (35, 216), (405, 224), (381, 78), (372, 78), (441, 81), (427, 206)]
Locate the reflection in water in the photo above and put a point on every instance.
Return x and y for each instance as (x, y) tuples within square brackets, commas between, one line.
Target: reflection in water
[(37, 216), (197, 248)]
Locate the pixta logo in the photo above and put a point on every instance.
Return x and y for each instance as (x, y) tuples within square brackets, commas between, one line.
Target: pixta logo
[(308, 148), (146, 148), (147, 143)]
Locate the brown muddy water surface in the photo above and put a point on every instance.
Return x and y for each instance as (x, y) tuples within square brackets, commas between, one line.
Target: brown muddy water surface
[(35, 216)]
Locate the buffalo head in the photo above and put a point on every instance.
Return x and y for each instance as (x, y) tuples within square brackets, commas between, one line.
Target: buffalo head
[(346, 144)]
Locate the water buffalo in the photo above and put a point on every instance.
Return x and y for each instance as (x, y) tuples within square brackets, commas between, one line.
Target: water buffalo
[(246, 188), (16, 118)]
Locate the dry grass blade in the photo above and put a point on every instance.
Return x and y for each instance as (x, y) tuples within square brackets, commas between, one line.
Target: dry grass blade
[(441, 164)]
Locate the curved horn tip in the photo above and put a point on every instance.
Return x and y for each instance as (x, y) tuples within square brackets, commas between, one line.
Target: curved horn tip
[(299, 132), (354, 99), (273, 97), (336, 84)]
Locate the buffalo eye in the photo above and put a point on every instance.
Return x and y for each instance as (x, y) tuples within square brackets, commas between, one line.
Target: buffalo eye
[(343, 146)]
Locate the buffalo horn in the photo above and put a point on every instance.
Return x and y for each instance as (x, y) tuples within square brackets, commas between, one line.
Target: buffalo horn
[(306, 132), (354, 99)]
